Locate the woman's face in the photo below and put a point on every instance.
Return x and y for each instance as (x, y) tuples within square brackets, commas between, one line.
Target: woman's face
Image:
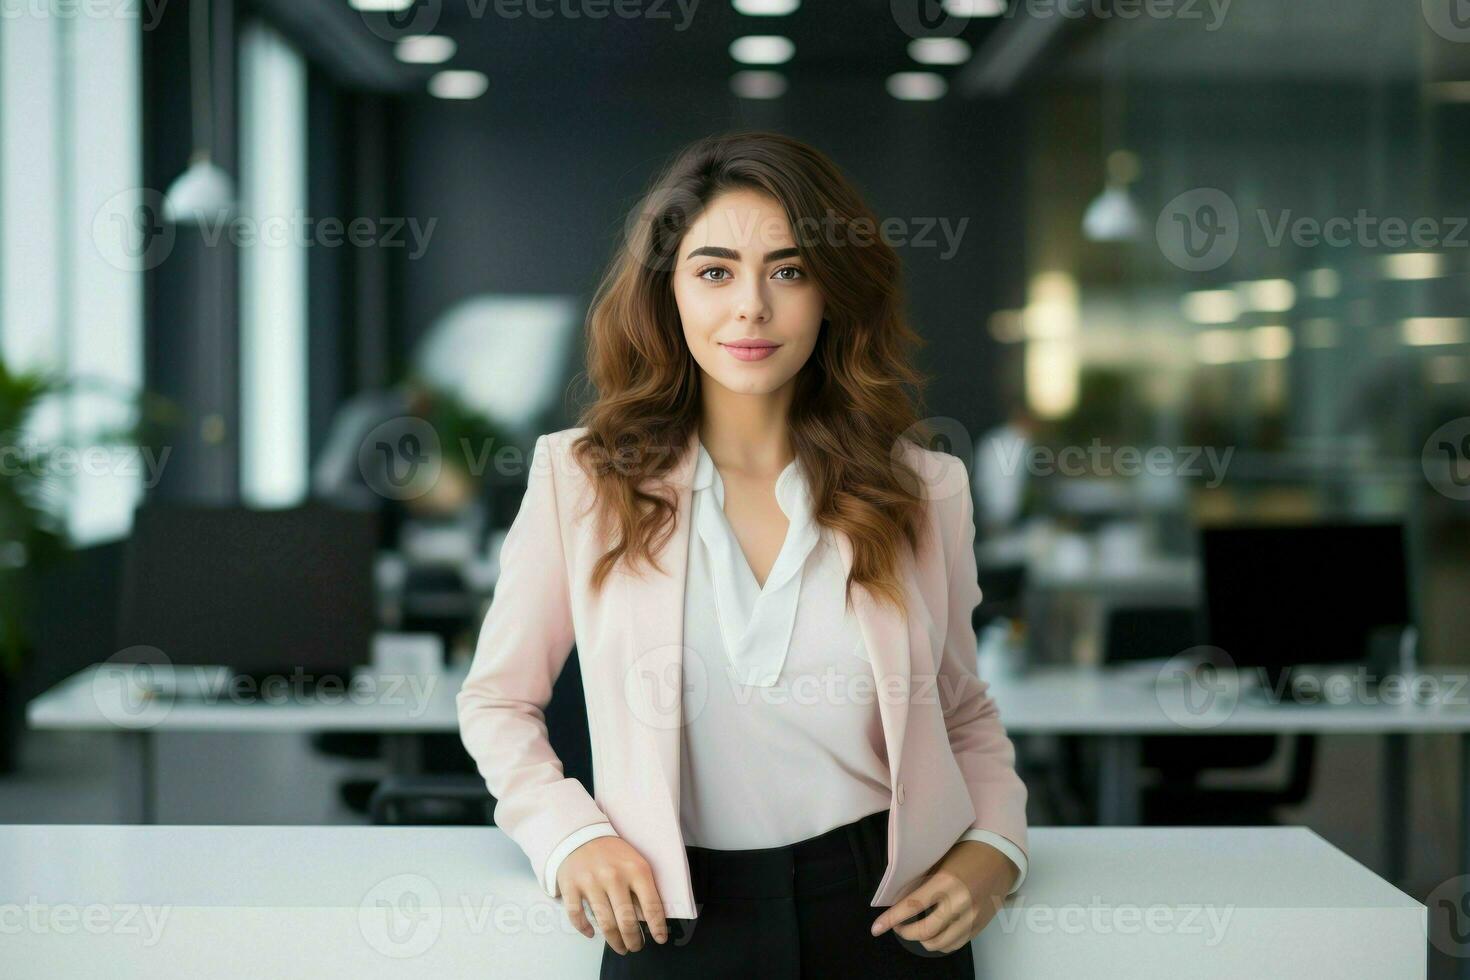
[(739, 281)]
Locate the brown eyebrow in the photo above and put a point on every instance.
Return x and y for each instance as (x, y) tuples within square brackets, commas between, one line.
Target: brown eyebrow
[(730, 253)]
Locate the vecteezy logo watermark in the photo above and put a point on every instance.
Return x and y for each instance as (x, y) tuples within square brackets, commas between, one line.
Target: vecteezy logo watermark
[(393, 20), (665, 689), (931, 18), (1198, 688), (939, 480), (401, 916), (129, 230), (1199, 230), (1448, 922), (134, 687), (401, 459), (1446, 459), (1450, 19)]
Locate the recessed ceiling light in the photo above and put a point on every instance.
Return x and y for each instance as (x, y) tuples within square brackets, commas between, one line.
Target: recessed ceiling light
[(974, 8), (458, 84), (1449, 91), (765, 8), (939, 51), (1415, 265), (762, 49), (1211, 305), (1425, 331), (758, 84), (425, 49), (1270, 342), (383, 6), (916, 86), (1219, 346), (1267, 295), (1323, 283)]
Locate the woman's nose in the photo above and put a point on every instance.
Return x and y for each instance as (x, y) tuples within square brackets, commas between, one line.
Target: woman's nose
[(752, 307)]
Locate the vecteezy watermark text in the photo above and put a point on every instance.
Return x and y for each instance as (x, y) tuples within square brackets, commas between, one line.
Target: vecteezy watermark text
[(1097, 459), (1200, 229), (97, 919), (129, 461)]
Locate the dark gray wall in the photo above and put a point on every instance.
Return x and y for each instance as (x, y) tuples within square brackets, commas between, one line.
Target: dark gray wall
[(530, 196)]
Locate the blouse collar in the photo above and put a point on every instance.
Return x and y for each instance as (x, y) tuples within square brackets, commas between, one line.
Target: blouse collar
[(793, 493), (756, 621)]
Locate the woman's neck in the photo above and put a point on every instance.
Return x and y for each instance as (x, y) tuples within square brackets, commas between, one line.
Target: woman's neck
[(746, 433)]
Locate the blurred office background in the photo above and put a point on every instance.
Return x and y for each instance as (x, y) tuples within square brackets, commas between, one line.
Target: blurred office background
[(259, 256)]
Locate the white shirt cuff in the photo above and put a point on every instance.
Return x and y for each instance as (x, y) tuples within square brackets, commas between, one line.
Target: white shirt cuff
[(1007, 848), (569, 844)]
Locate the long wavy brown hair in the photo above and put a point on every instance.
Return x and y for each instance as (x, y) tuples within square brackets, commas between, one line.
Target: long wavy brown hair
[(855, 398)]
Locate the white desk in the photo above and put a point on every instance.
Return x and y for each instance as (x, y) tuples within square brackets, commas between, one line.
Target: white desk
[(1117, 707), (100, 698), (360, 903)]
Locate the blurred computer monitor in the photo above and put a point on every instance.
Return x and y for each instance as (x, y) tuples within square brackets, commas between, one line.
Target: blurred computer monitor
[(1279, 595), (259, 591)]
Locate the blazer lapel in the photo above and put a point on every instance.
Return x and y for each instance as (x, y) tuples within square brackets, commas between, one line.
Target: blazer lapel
[(654, 683)]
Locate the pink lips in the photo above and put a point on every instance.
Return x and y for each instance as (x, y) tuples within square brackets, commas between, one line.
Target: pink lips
[(751, 350)]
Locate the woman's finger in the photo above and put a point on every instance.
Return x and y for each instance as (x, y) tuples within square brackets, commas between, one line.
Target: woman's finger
[(571, 899), (602, 911), (952, 938), (653, 908), (909, 906), (946, 910), (626, 916)]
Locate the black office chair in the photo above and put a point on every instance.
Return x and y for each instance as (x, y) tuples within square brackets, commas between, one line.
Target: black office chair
[(460, 798), (1177, 798), (1003, 590)]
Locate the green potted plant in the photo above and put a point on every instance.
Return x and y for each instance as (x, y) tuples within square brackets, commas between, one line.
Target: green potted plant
[(30, 537)]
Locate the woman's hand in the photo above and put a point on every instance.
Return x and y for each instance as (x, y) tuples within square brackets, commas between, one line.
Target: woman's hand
[(966, 888), (610, 875)]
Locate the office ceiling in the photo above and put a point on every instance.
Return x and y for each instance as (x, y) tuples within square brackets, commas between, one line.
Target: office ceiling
[(578, 55), (1321, 40), (570, 54)]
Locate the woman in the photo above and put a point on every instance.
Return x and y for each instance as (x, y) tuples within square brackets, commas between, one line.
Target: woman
[(770, 587)]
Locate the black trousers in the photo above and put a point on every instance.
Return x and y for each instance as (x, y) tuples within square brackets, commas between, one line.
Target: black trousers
[(788, 912)]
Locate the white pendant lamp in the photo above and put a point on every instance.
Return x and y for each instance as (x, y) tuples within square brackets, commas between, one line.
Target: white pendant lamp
[(203, 191)]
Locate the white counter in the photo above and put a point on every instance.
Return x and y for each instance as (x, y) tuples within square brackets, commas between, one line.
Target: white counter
[(447, 902)]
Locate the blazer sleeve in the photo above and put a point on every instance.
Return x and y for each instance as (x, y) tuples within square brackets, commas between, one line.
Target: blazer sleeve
[(524, 642), (985, 754)]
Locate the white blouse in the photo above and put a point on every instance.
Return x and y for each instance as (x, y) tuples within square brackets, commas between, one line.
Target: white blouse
[(782, 737)]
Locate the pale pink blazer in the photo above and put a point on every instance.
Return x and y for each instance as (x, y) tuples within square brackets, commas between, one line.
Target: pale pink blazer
[(951, 764)]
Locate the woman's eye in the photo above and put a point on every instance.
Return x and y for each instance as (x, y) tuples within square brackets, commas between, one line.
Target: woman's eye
[(704, 273), (790, 268)]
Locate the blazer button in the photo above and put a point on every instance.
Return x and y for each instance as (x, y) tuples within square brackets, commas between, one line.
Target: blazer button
[(900, 794)]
